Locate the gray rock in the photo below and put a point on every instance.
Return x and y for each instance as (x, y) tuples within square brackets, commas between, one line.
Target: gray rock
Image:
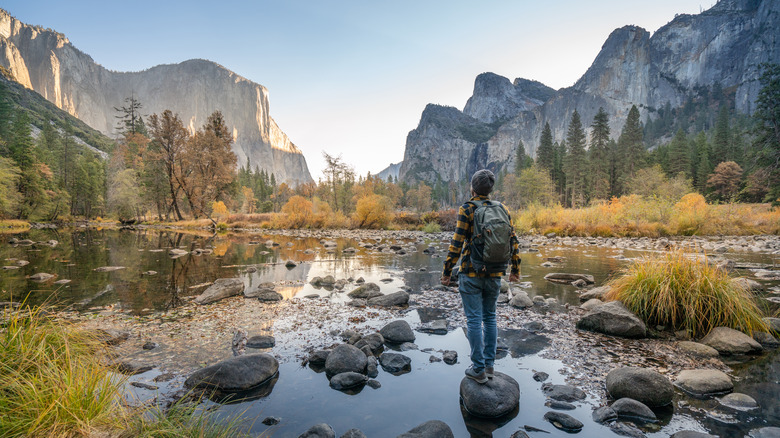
[(254, 293), (374, 341), (765, 432), (774, 325), (563, 421), (150, 345), (269, 296), (131, 368), (375, 384), (519, 434), (408, 346), (348, 380), (736, 400), (354, 433), (372, 367), (261, 342), (398, 332), (564, 393), (559, 277), (691, 434), (450, 357), (541, 376), (366, 291), (632, 409), (596, 292), (613, 319), (321, 430), (345, 358), (395, 363), (318, 357), (270, 421), (144, 386), (399, 298), (235, 374), (176, 252), (108, 268), (289, 264), (729, 341), (521, 300), (499, 396), (429, 429), (579, 284), (644, 385), (328, 280), (624, 429), (222, 288), (604, 414), (591, 304), (41, 276), (560, 405), (438, 327), (696, 349), (766, 340), (748, 284), (703, 383)]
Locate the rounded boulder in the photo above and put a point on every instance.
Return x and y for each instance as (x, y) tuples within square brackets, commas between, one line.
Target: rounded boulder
[(498, 397), (398, 332), (235, 374), (345, 358), (643, 385)]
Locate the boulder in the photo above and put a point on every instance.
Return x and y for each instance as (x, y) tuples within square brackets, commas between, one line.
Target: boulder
[(374, 341), (696, 349), (318, 357), (644, 385), (604, 414), (742, 402), (559, 277), (353, 433), (613, 319), (563, 421), (596, 292), (269, 296), (398, 332), (521, 300), (261, 342), (395, 363), (399, 298), (564, 393), (321, 430), (729, 341), (702, 383), (591, 304), (774, 325), (345, 358), (235, 374), (429, 429), (220, 289), (632, 409), (348, 380), (498, 397)]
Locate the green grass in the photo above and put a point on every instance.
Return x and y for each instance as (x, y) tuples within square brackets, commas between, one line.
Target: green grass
[(675, 290), (432, 227), (184, 420)]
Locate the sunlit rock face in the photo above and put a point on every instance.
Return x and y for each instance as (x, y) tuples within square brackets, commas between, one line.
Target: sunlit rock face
[(725, 44), (46, 62)]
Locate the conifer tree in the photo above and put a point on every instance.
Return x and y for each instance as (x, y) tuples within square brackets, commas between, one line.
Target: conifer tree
[(575, 164), (522, 160), (599, 156), (703, 168), (545, 155), (679, 155), (631, 149), (721, 143)]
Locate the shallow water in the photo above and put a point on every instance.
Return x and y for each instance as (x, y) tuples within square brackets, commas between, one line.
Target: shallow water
[(300, 396)]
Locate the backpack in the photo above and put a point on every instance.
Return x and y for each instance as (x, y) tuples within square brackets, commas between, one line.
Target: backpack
[(490, 246)]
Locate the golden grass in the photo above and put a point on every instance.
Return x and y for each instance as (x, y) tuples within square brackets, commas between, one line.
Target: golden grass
[(686, 293)]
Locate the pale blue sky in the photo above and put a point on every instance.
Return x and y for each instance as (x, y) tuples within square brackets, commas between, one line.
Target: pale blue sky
[(352, 77)]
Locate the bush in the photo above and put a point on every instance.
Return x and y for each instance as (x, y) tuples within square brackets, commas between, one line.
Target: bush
[(681, 291), (298, 211), (432, 227), (372, 211)]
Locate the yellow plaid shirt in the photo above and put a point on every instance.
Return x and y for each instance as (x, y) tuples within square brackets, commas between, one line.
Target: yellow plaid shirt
[(459, 247)]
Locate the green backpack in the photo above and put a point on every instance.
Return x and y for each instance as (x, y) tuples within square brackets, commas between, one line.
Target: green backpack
[(490, 246)]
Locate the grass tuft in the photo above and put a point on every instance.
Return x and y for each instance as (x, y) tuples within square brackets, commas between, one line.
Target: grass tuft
[(685, 293), (185, 420)]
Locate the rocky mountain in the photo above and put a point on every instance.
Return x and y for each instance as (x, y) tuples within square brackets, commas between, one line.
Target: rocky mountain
[(45, 61), (725, 44), (389, 171)]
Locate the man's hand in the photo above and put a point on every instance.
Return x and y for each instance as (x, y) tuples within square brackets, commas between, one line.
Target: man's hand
[(445, 280), (514, 278)]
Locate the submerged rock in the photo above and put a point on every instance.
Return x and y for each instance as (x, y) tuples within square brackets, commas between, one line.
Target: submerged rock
[(108, 268), (261, 342), (498, 397), (429, 429), (348, 380), (614, 319), (41, 276), (222, 288), (563, 421), (235, 374), (644, 385), (742, 402), (564, 393), (559, 277), (604, 414)]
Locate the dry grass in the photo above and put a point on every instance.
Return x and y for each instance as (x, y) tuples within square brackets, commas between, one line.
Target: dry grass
[(685, 293)]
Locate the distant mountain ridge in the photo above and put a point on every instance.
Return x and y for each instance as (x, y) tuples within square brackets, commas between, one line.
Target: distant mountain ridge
[(725, 44), (45, 61)]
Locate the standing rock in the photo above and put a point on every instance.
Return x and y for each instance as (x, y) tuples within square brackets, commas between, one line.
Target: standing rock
[(499, 396), (399, 298), (345, 358), (702, 383), (644, 385), (614, 319), (222, 288), (398, 332), (235, 374), (321, 430), (729, 341), (429, 429)]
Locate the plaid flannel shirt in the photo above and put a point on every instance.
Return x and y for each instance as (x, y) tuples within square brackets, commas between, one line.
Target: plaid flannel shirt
[(459, 246)]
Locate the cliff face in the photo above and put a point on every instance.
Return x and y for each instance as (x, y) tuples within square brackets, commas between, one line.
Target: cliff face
[(46, 62), (725, 44)]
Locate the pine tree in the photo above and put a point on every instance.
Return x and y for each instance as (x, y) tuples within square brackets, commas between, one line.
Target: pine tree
[(721, 147), (703, 168), (545, 155), (631, 149), (522, 160), (599, 156), (575, 165), (679, 155)]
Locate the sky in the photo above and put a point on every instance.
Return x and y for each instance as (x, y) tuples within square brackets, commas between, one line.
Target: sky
[(352, 78)]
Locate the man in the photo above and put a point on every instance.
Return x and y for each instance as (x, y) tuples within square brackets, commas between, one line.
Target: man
[(479, 288)]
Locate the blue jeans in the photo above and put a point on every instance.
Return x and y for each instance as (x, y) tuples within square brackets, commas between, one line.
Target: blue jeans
[(479, 295)]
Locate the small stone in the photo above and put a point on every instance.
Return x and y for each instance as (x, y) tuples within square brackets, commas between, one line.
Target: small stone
[(261, 342), (604, 414), (559, 405), (565, 393), (541, 376), (290, 264), (144, 386), (563, 421), (395, 363), (374, 384), (270, 421), (347, 380), (450, 357), (150, 345), (742, 402), (632, 409), (433, 359), (164, 377), (321, 430)]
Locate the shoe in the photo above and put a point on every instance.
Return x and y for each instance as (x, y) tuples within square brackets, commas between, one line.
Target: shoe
[(489, 371), (480, 377)]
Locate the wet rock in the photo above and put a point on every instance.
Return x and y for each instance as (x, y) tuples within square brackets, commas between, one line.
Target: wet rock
[(395, 363), (108, 268), (321, 430), (604, 414), (270, 421), (354, 433), (368, 290), (41, 276), (269, 296), (521, 300), (748, 284), (691, 434), (222, 288), (360, 280), (729, 341), (149, 273), (596, 292), (398, 332), (499, 396), (774, 325), (563, 421), (766, 340), (696, 349), (261, 342), (347, 380), (613, 319), (328, 280), (564, 393), (400, 298), (765, 432), (372, 366), (433, 359), (541, 376), (579, 284), (374, 384), (164, 377), (345, 358), (559, 405), (429, 429), (644, 385), (408, 346), (150, 345), (633, 409), (235, 374), (739, 401), (144, 386), (702, 383), (519, 434), (564, 278), (438, 327), (254, 293), (289, 264), (374, 341), (318, 357), (450, 357), (591, 304), (624, 429), (131, 368), (176, 252)]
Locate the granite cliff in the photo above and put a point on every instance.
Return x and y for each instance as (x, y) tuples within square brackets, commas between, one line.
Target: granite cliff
[(46, 62), (725, 44)]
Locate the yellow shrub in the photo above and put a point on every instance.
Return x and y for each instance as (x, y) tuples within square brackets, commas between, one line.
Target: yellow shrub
[(372, 211), (299, 212)]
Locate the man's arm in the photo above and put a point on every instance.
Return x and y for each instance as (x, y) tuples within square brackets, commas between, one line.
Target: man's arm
[(456, 245)]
